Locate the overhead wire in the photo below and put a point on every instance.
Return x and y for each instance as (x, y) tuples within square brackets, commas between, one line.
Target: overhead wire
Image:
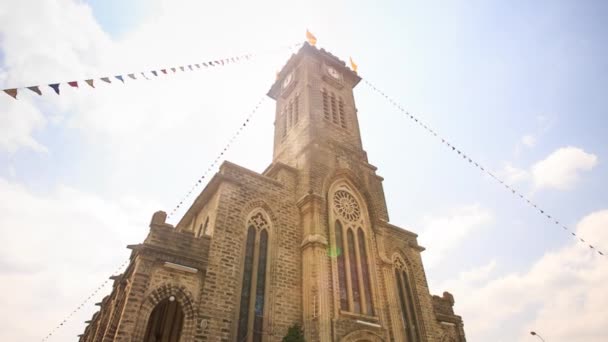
[(554, 220)]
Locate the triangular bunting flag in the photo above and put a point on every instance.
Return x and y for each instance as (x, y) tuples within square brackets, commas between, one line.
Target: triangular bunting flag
[(35, 89), (73, 84), (173, 69), (164, 71), (106, 79), (205, 64), (144, 75), (11, 92), (132, 76), (222, 61), (154, 72), (216, 62), (198, 65), (190, 67), (181, 68), (119, 77), (312, 40), (90, 82), (55, 87)]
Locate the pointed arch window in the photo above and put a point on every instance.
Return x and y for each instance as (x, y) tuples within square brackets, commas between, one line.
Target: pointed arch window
[(353, 270), (253, 290), (407, 302)]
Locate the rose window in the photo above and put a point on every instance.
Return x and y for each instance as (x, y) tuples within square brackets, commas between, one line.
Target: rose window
[(346, 205)]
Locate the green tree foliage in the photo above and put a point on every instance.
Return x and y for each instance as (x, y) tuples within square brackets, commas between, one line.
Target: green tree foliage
[(294, 334)]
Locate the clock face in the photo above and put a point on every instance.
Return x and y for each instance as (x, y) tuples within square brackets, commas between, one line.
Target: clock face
[(333, 73), (287, 80)]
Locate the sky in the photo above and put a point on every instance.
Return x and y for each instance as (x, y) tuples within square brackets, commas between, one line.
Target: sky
[(519, 86)]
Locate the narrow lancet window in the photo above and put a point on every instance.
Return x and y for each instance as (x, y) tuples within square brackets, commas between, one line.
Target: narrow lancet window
[(246, 288), (367, 288), (341, 266), (253, 292)]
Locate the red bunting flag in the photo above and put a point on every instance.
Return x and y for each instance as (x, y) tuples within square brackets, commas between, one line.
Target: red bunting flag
[(11, 92), (35, 89), (90, 82), (73, 84), (106, 79)]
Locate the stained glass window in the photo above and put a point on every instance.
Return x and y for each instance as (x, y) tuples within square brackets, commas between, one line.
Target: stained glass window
[(354, 271), (341, 266), (246, 289), (258, 323), (251, 312), (410, 302), (406, 301), (367, 288)]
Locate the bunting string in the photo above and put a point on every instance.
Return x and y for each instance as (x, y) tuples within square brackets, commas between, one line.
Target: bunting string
[(86, 300), (91, 82), (182, 201), (485, 170), (219, 157)]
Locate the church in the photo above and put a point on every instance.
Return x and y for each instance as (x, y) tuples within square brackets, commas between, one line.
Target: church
[(307, 242)]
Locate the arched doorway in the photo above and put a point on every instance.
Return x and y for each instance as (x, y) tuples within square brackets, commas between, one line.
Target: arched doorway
[(165, 322), (362, 336)]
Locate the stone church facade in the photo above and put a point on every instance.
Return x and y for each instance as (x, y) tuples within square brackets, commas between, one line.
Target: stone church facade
[(307, 241)]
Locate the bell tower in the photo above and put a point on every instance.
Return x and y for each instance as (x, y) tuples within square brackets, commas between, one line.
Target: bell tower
[(314, 104)]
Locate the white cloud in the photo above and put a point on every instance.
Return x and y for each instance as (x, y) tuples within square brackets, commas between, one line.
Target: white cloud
[(448, 230), (528, 140), (56, 249), (20, 119), (561, 169), (512, 174), (562, 295), (62, 41)]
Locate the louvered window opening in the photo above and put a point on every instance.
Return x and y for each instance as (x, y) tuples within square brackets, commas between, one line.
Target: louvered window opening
[(333, 109)]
